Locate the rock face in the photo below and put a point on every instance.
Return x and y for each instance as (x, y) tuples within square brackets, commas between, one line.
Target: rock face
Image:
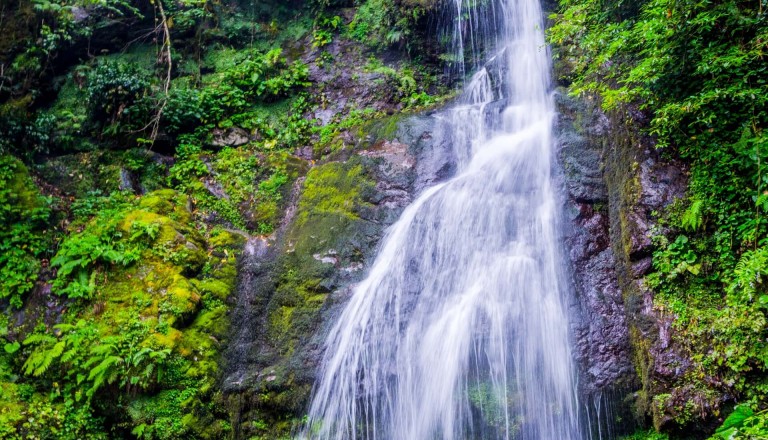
[(615, 181), (294, 283), (601, 336)]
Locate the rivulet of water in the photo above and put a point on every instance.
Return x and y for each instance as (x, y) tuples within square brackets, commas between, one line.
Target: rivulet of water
[(460, 330)]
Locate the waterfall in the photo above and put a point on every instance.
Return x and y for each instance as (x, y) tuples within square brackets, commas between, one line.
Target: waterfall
[(460, 330)]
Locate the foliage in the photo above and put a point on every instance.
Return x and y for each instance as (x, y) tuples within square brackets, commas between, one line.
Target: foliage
[(324, 28), (56, 26), (698, 70), (113, 89), (410, 83), (143, 349), (23, 214), (743, 423), (645, 435), (384, 23), (248, 81), (253, 76), (97, 247)]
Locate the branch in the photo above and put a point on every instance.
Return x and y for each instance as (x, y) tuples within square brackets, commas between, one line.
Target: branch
[(2, 77), (163, 57)]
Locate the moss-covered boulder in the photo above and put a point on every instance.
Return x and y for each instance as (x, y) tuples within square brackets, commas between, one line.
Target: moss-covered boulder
[(142, 340)]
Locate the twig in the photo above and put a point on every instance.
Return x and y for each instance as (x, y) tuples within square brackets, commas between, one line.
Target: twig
[(2, 77), (154, 30), (163, 57)]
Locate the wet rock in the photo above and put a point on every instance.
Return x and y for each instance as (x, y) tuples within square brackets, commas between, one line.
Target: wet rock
[(602, 339), (129, 181), (642, 267), (639, 184), (80, 14), (660, 183), (294, 284)]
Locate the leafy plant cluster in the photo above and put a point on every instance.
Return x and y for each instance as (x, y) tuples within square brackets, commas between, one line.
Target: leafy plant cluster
[(324, 28), (52, 26), (743, 423), (698, 69), (91, 363), (38, 32), (385, 23), (81, 256), (139, 344), (24, 214), (124, 97), (114, 89), (252, 179), (410, 83)]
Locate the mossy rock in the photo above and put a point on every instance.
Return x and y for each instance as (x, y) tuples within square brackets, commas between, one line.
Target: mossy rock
[(164, 213), (82, 173), (334, 188), (180, 309), (328, 232), (169, 203), (24, 193), (13, 408), (25, 216)]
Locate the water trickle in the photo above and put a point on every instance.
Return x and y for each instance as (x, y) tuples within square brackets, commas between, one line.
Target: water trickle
[(460, 330)]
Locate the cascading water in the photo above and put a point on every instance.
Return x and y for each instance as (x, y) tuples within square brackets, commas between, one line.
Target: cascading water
[(460, 330)]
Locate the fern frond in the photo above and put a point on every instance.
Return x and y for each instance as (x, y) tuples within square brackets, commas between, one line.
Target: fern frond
[(693, 217)]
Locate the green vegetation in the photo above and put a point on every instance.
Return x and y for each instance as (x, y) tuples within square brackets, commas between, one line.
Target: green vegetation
[(141, 142), (143, 334), (698, 70), (25, 213), (646, 435), (327, 233), (332, 198)]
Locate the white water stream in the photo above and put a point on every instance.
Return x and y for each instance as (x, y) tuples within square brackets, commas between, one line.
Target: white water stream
[(460, 329)]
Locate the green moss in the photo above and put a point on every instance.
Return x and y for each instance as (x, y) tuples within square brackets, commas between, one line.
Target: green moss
[(216, 288), (222, 239), (26, 195), (333, 189), (166, 202), (646, 435), (327, 223), (213, 322), (168, 302), (13, 408)]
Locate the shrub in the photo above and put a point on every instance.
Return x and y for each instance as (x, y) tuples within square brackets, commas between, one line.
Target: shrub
[(114, 90)]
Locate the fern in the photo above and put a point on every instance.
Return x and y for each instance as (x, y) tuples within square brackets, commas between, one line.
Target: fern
[(693, 217), (106, 372), (80, 253), (749, 271), (39, 361)]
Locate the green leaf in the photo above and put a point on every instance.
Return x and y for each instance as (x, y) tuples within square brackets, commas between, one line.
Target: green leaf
[(12, 347), (736, 419)]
